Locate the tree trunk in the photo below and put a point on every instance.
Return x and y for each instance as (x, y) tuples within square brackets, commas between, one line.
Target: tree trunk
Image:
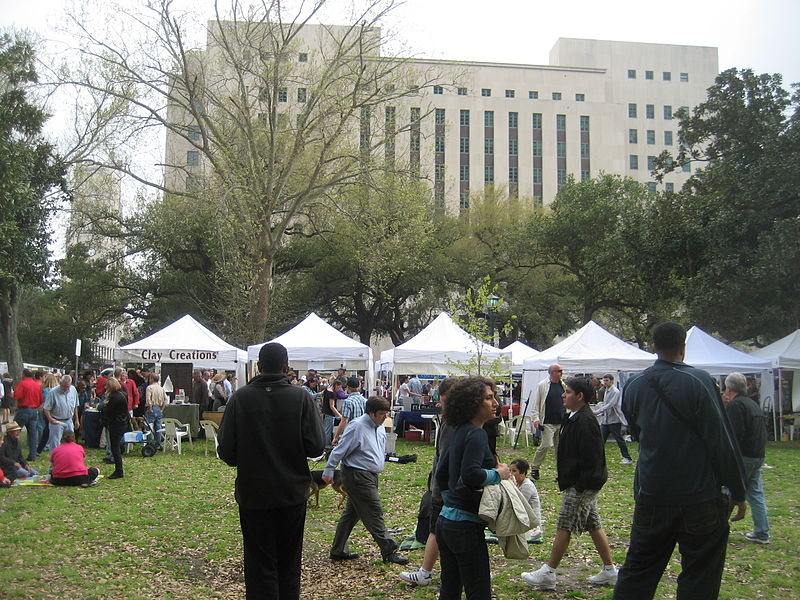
[(261, 300), (9, 303)]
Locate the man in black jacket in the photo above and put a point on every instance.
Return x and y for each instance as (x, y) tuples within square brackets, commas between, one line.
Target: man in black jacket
[(686, 454), (750, 428), (268, 430)]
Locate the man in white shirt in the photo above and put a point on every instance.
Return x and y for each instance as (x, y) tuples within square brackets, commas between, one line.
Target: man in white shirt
[(611, 417)]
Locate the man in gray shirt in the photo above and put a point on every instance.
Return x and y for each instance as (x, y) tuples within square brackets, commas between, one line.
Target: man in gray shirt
[(61, 411)]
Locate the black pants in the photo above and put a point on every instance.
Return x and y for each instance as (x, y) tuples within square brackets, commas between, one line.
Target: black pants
[(273, 548), (464, 559), (615, 429), (115, 431), (701, 532), (77, 479)]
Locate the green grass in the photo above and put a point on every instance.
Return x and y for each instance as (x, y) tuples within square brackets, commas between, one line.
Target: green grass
[(170, 529)]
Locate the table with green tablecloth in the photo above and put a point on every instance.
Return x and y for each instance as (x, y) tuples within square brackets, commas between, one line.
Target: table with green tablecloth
[(185, 413)]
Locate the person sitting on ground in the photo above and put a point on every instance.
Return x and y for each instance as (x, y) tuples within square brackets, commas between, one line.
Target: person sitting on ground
[(12, 450), (68, 463), (519, 471)]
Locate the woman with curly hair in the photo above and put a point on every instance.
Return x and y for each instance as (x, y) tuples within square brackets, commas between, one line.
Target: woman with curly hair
[(467, 467), (582, 473)]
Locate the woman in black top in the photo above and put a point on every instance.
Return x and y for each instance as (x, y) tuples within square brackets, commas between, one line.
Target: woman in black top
[(468, 466), (582, 473), (115, 418)]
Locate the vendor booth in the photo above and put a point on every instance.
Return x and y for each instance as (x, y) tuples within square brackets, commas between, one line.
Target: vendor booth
[(591, 349), (519, 353), (708, 353), (314, 344), (785, 358)]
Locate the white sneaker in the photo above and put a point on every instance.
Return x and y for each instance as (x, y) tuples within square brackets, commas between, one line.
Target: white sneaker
[(626, 461), (544, 578), (605, 577), (417, 577)]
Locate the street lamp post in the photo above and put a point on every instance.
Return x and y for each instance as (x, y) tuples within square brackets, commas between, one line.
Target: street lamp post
[(491, 304)]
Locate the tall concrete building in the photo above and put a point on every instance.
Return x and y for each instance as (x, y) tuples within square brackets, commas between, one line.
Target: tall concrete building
[(599, 106)]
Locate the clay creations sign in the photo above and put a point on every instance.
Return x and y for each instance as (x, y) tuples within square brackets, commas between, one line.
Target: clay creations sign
[(178, 355)]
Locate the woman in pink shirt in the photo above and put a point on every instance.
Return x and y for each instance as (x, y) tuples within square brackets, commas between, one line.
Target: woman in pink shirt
[(68, 466)]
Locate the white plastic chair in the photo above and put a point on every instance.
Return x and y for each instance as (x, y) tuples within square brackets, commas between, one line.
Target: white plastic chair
[(174, 431), (210, 428), (513, 426)]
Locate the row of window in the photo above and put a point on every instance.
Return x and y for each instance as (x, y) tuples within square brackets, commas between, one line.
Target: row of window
[(665, 75), (650, 111), (633, 164), (513, 119), (487, 92), (513, 174), (513, 147), (650, 135)]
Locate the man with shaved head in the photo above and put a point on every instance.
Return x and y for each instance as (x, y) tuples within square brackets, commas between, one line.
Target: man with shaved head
[(547, 414)]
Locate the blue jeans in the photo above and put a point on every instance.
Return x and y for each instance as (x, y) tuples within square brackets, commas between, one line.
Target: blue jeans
[(615, 429), (29, 418), (328, 422), (701, 532), (755, 496), (465, 560), (153, 416)]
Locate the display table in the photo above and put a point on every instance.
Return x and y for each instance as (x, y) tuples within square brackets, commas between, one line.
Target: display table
[(188, 414), (214, 415), (504, 410), (422, 420), (92, 426)]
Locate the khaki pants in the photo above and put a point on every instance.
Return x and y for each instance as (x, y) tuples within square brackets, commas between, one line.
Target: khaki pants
[(550, 435)]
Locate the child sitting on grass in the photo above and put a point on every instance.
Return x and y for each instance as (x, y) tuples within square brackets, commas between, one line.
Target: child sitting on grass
[(519, 471)]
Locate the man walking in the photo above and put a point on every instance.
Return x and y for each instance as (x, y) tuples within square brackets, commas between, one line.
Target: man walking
[(268, 430), (361, 452), (686, 454), (750, 429), (611, 417), (547, 414)]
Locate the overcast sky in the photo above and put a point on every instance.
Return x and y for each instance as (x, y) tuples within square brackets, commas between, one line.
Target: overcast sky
[(760, 34)]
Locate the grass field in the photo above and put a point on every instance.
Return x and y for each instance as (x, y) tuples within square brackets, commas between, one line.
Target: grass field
[(170, 529)]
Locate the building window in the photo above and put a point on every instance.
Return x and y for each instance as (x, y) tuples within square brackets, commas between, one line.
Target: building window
[(462, 91), (510, 93), (686, 167), (584, 123), (415, 114), (488, 173), (415, 142), (561, 149), (439, 116), (391, 117), (561, 177), (580, 97), (488, 118), (464, 145), (283, 95), (194, 132), (301, 94), (262, 119), (438, 199), (556, 95), (667, 112), (302, 57), (537, 147), (631, 73), (632, 111), (513, 175), (193, 158), (651, 163), (513, 147), (668, 138), (537, 175), (585, 176), (684, 78), (513, 120), (438, 143), (464, 118), (561, 122), (463, 200), (192, 183), (533, 95), (486, 92), (633, 162), (651, 136), (437, 89), (648, 75), (438, 172), (650, 111), (463, 172), (537, 120), (488, 146), (667, 76), (584, 150), (633, 136), (669, 187)]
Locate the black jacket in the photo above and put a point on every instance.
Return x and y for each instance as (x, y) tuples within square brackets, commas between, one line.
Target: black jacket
[(115, 410), (749, 426), (268, 430), (581, 455)]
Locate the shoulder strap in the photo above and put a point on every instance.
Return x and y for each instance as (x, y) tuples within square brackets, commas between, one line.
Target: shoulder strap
[(653, 381)]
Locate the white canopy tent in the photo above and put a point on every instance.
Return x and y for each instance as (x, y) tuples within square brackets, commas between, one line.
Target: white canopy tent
[(519, 352), (708, 353), (785, 356), (591, 349), (435, 349), (314, 344), (185, 341)]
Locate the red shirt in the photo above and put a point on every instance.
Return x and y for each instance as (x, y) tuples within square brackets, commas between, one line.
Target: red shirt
[(68, 460), (100, 385), (133, 393), (28, 393)]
